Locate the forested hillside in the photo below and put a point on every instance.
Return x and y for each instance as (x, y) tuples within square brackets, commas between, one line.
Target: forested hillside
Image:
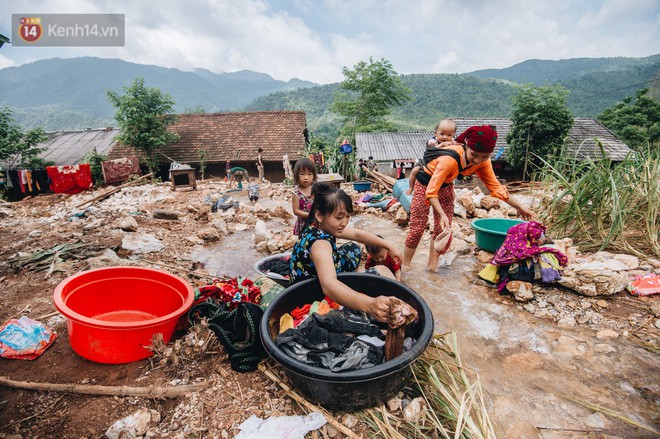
[(436, 95), (60, 94)]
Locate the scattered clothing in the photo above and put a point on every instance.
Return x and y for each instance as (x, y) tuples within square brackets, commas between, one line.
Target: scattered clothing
[(119, 170), (521, 258), (236, 329), (70, 179), (522, 242), (645, 285)]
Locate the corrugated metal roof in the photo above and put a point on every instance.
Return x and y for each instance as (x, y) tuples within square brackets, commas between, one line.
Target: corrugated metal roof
[(406, 145), (70, 147)]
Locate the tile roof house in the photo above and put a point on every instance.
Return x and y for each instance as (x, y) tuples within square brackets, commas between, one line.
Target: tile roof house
[(236, 136), (387, 147)]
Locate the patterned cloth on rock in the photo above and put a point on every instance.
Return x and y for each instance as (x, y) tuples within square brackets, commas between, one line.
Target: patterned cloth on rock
[(305, 204), (521, 242), (346, 258)]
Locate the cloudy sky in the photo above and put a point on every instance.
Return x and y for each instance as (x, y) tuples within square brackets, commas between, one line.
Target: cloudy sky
[(314, 39)]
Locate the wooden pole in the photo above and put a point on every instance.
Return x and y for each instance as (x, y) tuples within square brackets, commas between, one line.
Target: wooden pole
[(149, 391), (112, 191), (377, 178)]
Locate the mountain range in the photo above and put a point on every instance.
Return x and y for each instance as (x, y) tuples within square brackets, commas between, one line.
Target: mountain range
[(61, 94)]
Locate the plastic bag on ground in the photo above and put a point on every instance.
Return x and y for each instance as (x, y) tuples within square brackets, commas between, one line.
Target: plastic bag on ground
[(24, 339), (280, 427)]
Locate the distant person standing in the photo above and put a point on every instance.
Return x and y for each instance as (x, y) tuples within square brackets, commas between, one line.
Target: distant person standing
[(371, 164), (260, 165), (228, 171), (401, 172)]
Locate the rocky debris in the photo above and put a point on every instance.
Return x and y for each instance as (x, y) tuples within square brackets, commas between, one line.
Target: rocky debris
[(472, 203), (401, 216), (261, 233), (487, 202), (522, 291), (599, 274), (127, 224), (465, 200), (167, 214), (133, 426), (209, 234), (143, 243)]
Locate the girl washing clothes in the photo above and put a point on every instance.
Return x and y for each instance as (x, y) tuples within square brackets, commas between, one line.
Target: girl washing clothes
[(304, 176), (316, 253)]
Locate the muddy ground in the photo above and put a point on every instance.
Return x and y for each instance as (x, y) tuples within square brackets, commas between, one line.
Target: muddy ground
[(230, 398)]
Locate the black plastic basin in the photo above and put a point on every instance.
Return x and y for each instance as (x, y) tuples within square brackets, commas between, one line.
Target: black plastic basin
[(356, 389)]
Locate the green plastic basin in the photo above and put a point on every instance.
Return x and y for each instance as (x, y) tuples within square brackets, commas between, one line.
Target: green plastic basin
[(489, 233)]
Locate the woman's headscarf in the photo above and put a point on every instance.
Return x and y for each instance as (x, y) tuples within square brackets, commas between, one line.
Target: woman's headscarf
[(479, 138)]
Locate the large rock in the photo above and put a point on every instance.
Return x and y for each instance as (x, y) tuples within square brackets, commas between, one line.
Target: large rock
[(167, 214), (133, 426), (209, 234), (401, 217), (140, 244), (127, 224), (465, 200), (221, 225), (480, 213), (261, 233), (488, 202), (521, 290), (600, 274)]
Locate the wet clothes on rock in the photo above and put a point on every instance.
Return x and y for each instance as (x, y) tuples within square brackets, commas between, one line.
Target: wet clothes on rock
[(522, 241), (521, 258), (330, 341), (346, 257), (305, 204)]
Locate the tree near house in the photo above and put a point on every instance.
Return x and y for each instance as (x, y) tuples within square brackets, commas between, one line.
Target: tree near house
[(19, 148), (144, 115), (636, 123), (540, 122), (371, 90)]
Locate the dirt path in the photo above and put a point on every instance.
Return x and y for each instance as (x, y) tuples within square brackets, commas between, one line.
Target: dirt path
[(529, 366)]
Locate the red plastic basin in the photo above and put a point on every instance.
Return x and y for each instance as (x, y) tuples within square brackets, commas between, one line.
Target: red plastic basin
[(113, 312)]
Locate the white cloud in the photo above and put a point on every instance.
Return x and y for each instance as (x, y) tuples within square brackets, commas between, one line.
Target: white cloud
[(314, 40), (5, 62)]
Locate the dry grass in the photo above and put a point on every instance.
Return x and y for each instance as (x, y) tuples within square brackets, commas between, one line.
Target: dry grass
[(454, 408), (600, 204)]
